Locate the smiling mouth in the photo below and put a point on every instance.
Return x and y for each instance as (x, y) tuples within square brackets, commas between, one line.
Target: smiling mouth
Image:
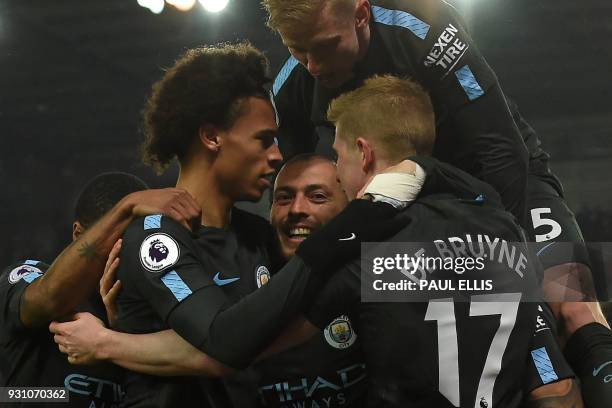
[(299, 233)]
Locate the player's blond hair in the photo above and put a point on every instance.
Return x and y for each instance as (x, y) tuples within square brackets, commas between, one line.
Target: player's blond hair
[(294, 16), (395, 115)]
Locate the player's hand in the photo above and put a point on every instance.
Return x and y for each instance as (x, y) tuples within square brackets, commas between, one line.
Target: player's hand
[(79, 339), (109, 285), (173, 202)]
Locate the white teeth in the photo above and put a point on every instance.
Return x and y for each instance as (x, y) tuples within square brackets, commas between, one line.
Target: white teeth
[(299, 232)]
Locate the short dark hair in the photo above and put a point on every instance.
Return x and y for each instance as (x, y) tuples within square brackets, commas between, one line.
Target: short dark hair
[(205, 85), (306, 157), (102, 193)]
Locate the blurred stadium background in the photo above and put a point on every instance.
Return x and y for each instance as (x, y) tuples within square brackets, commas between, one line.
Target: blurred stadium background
[(75, 74)]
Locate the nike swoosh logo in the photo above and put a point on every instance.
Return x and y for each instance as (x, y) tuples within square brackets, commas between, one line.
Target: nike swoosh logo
[(598, 369), (352, 237), (222, 282)]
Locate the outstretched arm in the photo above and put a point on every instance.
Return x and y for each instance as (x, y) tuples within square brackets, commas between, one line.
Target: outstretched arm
[(76, 271), (86, 341)]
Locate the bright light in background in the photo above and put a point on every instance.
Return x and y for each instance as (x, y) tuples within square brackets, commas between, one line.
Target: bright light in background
[(156, 6), (214, 5), (182, 5)]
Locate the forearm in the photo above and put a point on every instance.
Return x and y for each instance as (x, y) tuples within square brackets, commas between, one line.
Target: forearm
[(75, 273), (262, 314), (164, 353)]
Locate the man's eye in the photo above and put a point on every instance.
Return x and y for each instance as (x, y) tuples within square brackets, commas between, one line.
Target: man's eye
[(318, 197), (267, 140), (282, 200)]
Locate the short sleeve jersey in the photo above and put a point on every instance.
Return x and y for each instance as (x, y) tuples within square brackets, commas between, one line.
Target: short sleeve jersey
[(30, 357)]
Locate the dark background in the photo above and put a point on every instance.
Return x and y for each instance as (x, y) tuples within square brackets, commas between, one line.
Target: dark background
[(75, 74)]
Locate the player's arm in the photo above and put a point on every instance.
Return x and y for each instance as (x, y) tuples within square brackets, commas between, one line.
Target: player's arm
[(339, 295), (563, 394), (86, 341), (549, 379), (161, 263), (468, 97), (322, 257), (77, 270)]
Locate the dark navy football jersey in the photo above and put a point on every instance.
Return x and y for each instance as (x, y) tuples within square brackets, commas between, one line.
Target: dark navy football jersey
[(30, 357), (468, 350), (327, 371), (162, 266), (425, 40)]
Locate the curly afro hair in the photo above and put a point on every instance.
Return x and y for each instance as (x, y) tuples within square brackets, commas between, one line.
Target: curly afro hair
[(205, 85)]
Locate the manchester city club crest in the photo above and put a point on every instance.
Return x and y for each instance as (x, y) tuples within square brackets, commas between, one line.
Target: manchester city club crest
[(21, 272), (262, 276), (340, 334), (158, 251)]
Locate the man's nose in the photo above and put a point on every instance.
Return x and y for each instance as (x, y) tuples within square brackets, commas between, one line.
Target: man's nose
[(313, 66), (299, 206)]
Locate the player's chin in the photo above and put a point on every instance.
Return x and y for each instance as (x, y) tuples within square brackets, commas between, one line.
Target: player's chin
[(288, 249), (289, 245)]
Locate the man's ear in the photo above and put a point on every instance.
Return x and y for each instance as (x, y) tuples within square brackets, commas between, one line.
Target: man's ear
[(367, 154), (77, 230), (209, 137), (362, 13)]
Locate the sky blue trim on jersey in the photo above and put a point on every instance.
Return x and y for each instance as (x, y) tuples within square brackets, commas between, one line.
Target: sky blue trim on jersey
[(284, 73), (469, 83), (223, 282), (545, 248), (152, 221), (544, 365), (31, 262), (401, 19), (32, 276), (179, 289)]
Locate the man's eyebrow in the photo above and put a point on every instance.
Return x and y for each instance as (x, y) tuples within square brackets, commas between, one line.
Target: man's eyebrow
[(284, 189), (312, 187), (313, 43), (267, 132), (326, 40)]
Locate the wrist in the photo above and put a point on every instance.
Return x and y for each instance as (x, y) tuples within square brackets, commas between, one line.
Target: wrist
[(127, 206), (104, 347)]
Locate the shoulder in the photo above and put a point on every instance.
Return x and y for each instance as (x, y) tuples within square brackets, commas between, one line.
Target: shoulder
[(423, 20), (427, 11), (291, 80), (156, 242), (143, 227), (26, 271)]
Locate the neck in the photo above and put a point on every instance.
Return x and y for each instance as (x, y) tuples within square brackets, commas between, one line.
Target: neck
[(198, 179), (381, 166)]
